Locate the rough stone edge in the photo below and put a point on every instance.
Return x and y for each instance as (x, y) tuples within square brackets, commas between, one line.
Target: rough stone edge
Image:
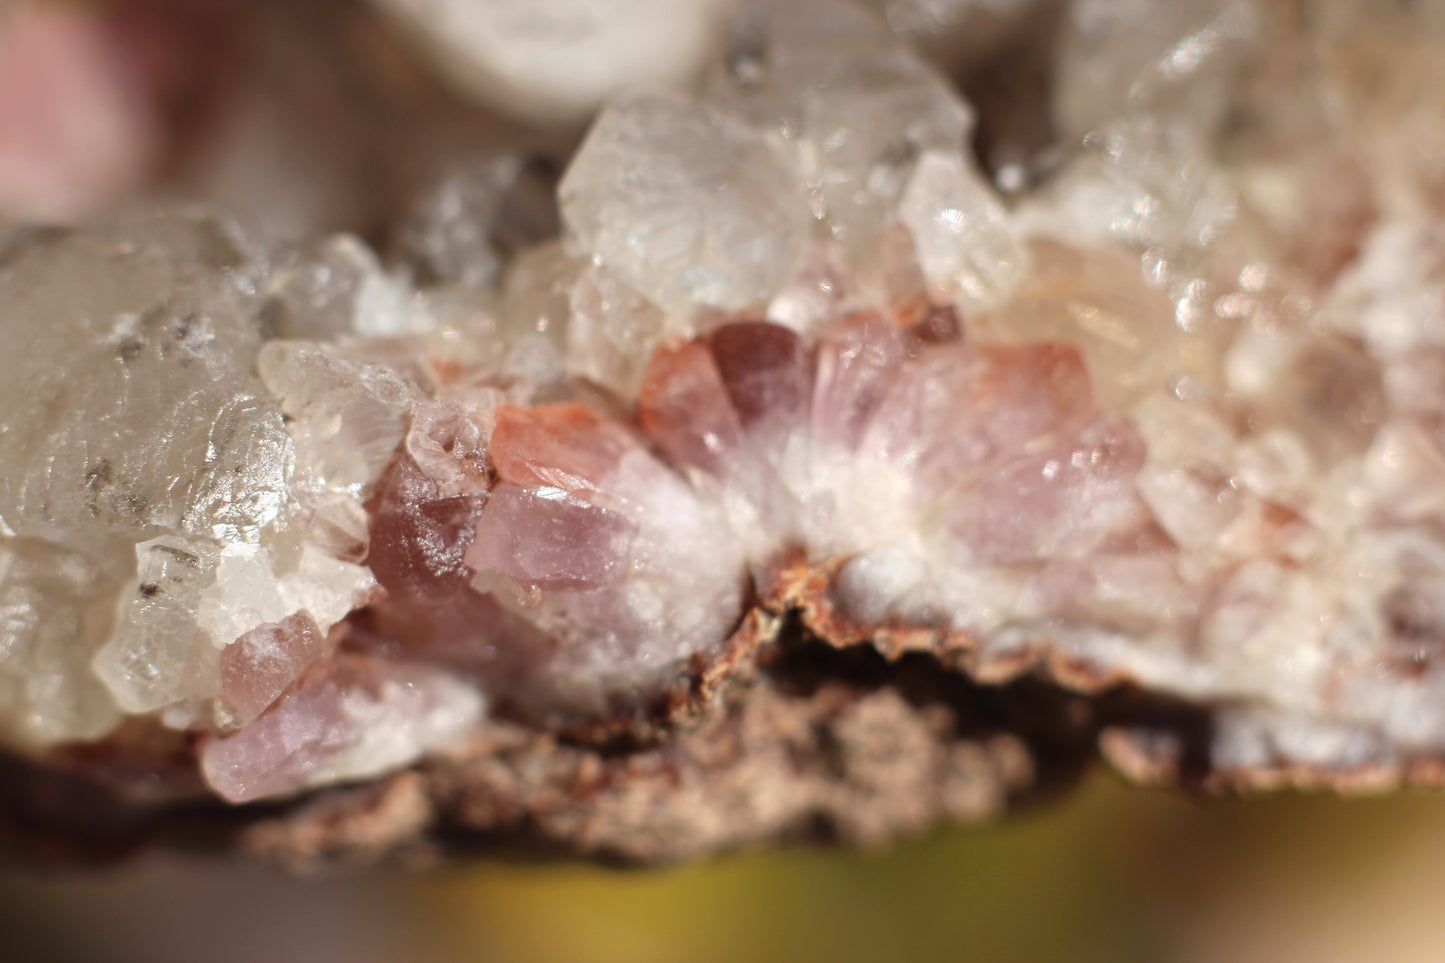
[(803, 726)]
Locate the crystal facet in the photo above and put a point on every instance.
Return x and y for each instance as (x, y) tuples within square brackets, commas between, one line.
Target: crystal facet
[(684, 204)]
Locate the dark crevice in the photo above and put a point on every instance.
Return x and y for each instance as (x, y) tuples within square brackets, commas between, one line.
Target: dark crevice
[(1011, 89)]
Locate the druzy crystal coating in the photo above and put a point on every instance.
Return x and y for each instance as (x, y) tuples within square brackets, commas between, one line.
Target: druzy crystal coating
[(1167, 414)]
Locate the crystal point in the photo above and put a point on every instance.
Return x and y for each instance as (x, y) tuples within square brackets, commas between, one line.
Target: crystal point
[(684, 204)]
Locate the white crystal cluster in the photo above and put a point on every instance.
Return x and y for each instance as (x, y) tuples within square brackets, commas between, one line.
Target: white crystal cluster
[(1173, 415), (177, 540)]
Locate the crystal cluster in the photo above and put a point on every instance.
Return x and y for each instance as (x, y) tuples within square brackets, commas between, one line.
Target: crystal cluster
[(1170, 413)]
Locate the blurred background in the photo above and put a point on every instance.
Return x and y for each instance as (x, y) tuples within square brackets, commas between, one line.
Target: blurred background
[(324, 115), (1109, 873)]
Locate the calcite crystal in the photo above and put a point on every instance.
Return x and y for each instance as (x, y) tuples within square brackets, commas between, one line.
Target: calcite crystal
[(1153, 420)]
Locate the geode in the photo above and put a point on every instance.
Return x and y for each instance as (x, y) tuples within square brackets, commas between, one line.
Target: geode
[(819, 472)]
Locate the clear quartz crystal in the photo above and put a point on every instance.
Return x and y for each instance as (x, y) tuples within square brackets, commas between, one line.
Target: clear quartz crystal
[(347, 416), (130, 405), (337, 288), (464, 229), (960, 232), (684, 204), (612, 330), (140, 445), (855, 106), (1173, 58)]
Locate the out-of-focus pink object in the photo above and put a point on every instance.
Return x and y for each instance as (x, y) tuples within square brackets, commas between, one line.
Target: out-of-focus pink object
[(78, 124)]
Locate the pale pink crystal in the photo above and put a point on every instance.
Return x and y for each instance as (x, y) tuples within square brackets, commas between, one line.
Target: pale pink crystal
[(257, 667), (856, 364), (684, 406), (594, 543), (1062, 501), (419, 534), (931, 460), (551, 540), (354, 719), (767, 373), (568, 446)]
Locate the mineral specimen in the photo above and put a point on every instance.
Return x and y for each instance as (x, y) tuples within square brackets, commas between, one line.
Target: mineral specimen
[(1161, 430)]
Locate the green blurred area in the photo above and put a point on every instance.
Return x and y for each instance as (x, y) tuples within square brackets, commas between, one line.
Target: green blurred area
[(1108, 874)]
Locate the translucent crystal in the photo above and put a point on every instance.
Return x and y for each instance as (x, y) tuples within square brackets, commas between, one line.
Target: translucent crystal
[(684, 205), (856, 107), (423, 523), (346, 416), (337, 288), (468, 225), (1100, 300), (1187, 480), (596, 543), (536, 296), (54, 612), (820, 291), (1391, 297), (1152, 55), (1143, 181), (612, 331), (960, 232), (176, 491), (1323, 389), (129, 405), (159, 655), (263, 662)]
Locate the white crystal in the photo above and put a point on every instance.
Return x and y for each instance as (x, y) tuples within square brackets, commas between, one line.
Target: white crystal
[(855, 106), (1143, 181), (1393, 296), (473, 220), (128, 404), (684, 205), (962, 235), (346, 416), (536, 296), (613, 331), (159, 655), (55, 610), (141, 446), (335, 289)]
